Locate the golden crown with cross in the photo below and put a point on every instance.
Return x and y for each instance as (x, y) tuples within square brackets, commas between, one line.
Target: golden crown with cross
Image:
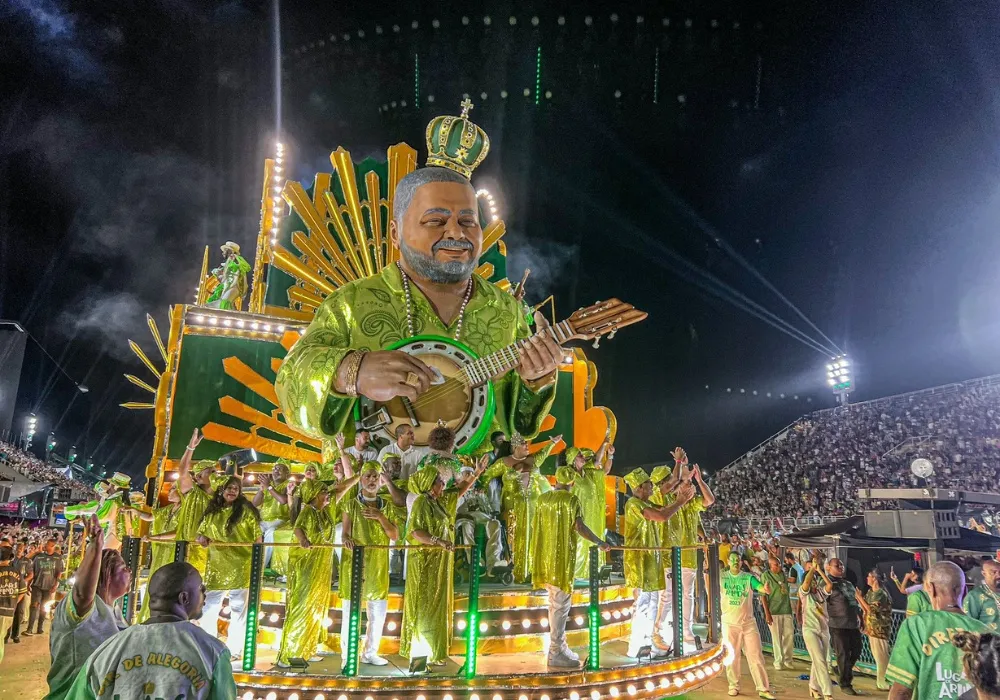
[(457, 143)]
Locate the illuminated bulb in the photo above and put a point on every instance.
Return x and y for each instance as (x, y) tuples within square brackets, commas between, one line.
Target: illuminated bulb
[(421, 697), (293, 696), (273, 617), (239, 324), (255, 325), (342, 697), (461, 624), (271, 696), (213, 320), (279, 328), (664, 682), (700, 674), (248, 695), (689, 677), (626, 611), (390, 626), (631, 689), (474, 696), (574, 695), (280, 146), (505, 625), (327, 622), (199, 319), (482, 628), (495, 217), (650, 686), (226, 322), (544, 622), (716, 667), (447, 696), (606, 615), (595, 695), (614, 691), (522, 697), (498, 697), (678, 681), (617, 615), (251, 478), (544, 697), (175, 476), (525, 623), (578, 619), (369, 697), (267, 326)]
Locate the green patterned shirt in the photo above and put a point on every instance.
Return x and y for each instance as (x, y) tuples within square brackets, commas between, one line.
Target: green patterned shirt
[(370, 314), (982, 604)]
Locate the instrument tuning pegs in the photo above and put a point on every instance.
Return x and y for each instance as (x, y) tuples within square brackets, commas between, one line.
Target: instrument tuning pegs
[(597, 342), (612, 333)]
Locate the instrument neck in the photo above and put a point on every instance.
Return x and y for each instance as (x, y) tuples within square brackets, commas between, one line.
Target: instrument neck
[(486, 368)]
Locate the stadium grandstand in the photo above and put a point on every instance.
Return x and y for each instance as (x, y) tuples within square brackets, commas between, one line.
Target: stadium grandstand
[(24, 474), (812, 469)]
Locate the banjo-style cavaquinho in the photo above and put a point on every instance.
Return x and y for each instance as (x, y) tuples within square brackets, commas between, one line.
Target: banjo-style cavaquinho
[(462, 397)]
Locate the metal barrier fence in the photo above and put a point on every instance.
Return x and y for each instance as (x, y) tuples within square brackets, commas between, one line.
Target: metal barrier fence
[(866, 663)]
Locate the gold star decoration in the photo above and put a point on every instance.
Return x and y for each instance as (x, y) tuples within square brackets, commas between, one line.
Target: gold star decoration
[(462, 152)]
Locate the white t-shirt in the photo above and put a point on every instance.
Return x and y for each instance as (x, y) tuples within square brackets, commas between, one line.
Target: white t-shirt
[(369, 454), (408, 459), (737, 597), (814, 615), (74, 638), (165, 660)]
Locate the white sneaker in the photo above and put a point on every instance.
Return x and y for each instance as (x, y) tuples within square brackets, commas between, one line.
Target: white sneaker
[(733, 692), (374, 660), (570, 654), (314, 659), (560, 660)]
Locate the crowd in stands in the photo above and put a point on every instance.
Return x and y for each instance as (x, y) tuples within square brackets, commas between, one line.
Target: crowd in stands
[(817, 466), (35, 469)]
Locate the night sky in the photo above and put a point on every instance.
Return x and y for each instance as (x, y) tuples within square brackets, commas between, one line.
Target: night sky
[(845, 158)]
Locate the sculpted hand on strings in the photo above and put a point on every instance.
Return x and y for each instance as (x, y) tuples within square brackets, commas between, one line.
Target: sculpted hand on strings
[(386, 374), (541, 354)]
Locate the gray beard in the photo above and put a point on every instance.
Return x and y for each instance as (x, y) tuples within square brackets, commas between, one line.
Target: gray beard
[(437, 272)]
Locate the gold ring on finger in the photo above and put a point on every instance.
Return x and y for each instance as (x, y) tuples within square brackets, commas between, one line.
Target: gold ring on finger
[(412, 379)]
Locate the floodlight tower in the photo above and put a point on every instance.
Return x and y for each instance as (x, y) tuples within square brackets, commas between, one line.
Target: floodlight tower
[(838, 376), (30, 426)]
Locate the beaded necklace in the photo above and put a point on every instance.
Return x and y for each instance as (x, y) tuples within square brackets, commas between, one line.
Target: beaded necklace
[(409, 304)]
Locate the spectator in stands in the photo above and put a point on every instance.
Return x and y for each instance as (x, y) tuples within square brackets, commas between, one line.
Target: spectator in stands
[(821, 461), (37, 470), (47, 569), (845, 624)]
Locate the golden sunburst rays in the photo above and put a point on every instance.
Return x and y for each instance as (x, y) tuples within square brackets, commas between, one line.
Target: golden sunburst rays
[(158, 373), (298, 448)]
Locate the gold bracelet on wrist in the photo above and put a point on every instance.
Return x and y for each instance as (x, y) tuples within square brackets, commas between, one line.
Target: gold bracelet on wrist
[(535, 385), (351, 375)]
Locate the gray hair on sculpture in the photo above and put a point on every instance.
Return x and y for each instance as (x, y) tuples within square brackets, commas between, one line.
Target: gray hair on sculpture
[(408, 186)]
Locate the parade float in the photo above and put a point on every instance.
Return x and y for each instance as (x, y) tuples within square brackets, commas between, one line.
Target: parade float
[(215, 370)]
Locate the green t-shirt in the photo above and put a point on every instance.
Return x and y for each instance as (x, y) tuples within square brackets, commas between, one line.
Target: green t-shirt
[(925, 660), (778, 601), (916, 603), (981, 603)]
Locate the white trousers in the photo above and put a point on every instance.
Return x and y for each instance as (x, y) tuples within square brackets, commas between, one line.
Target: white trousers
[(643, 618), (745, 638), (466, 525), (268, 527), (880, 650), (782, 640), (818, 646), (376, 610), (559, 605), (665, 608), (237, 617)]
